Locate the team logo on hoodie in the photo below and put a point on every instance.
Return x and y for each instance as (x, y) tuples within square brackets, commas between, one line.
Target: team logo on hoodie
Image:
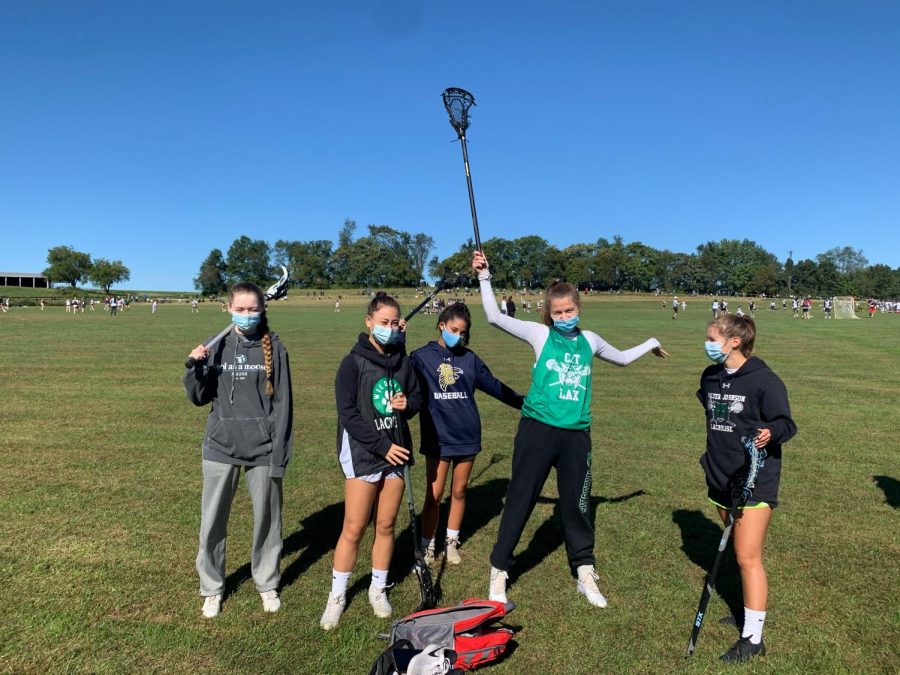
[(382, 393), (448, 375), (721, 407)]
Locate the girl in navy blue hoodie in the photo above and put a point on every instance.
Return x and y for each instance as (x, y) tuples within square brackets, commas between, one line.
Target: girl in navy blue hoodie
[(449, 374), (743, 399)]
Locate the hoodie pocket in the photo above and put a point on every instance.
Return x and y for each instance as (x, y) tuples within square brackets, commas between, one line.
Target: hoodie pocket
[(244, 438)]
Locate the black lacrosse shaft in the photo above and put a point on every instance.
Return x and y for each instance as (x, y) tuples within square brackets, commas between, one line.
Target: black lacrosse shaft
[(710, 580), (418, 307), (465, 153)]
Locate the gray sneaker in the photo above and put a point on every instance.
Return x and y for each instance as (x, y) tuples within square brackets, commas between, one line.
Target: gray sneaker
[(429, 554), (451, 550), (333, 610), (378, 600)]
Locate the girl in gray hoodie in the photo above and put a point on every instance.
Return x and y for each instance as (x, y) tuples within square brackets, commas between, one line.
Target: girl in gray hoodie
[(247, 379)]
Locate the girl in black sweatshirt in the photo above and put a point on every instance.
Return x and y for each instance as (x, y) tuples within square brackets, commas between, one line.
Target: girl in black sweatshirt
[(376, 392), (743, 399)]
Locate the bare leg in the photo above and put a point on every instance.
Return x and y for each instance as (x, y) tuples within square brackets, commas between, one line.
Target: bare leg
[(458, 485), (358, 499), (436, 472), (390, 493), (749, 536)]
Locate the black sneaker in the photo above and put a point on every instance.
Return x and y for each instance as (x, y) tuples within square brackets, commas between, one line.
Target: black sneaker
[(743, 650)]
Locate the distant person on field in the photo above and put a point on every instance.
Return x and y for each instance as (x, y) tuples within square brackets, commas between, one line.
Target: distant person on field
[(154, 306), (675, 307), (113, 306), (744, 401), (511, 307), (503, 304), (715, 308), (195, 306)]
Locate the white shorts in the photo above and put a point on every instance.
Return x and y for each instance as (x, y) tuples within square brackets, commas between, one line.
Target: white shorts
[(386, 474)]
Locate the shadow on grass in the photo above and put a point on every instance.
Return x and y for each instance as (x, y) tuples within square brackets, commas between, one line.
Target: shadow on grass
[(316, 536), (891, 489), (700, 539), (550, 535)]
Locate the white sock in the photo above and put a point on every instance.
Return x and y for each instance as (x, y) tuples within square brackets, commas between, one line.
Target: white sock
[(452, 534), (753, 625), (425, 543), (379, 578), (339, 581)]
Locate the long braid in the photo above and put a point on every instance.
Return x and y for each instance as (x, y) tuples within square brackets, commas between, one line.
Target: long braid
[(267, 356)]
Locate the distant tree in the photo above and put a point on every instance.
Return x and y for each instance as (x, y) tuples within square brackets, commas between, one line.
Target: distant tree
[(846, 259), (67, 265), (105, 273), (309, 262), (248, 260), (806, 277), (211, 279), (419, 247)]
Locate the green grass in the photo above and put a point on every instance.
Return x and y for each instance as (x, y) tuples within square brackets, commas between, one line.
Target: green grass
[(100, 493)]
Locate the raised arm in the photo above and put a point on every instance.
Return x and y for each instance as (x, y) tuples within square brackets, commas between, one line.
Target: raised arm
[(531, 332)]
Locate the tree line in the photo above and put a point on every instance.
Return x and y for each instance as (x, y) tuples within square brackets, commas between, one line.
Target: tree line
[(66, 265), (386, 258)]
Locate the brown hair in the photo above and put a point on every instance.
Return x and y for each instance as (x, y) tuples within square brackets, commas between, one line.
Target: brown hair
[(380, 300), (266, 339), (556, 290), (742, 327)]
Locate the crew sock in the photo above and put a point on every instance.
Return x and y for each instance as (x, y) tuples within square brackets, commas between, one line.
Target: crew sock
[(753, 625), (339, 581)]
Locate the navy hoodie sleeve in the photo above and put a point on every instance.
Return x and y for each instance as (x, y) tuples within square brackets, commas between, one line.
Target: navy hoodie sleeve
[(775, 410), (345, 394), (414, 397), (486, 382)]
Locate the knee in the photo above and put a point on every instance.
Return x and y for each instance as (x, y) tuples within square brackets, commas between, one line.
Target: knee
[(385, 527), (434, 494), (749, 560), (353, 532), (458, 492)]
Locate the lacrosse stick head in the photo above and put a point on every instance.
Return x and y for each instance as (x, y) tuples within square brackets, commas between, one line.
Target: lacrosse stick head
[(449, 282), (457, 102), (280, 288)]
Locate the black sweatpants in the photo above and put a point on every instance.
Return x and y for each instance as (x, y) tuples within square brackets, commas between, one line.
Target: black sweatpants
[(538, 447)]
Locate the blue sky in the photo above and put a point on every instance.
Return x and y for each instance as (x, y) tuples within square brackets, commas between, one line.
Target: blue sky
[(152, 132)]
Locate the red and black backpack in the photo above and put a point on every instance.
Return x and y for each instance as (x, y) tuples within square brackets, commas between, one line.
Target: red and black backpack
[(468, 629)]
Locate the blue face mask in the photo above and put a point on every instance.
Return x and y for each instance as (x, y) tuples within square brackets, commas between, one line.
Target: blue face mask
[(714, 352), (567, 325), (450, 339), (384, 335), (246, 321)]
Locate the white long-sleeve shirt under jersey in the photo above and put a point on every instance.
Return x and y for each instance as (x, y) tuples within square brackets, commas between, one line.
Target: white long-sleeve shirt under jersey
[(536, 334)]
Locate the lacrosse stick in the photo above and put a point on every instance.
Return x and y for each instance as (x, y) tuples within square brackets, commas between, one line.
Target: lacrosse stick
[(277, 290), (457, 103), (742, 488), (442, 285), (428, 597)]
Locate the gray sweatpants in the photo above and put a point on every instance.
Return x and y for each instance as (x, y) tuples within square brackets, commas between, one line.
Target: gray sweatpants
[(220, 482)]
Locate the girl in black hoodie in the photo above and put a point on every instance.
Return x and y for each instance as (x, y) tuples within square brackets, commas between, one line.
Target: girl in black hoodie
[(376, 392), (743, 399)]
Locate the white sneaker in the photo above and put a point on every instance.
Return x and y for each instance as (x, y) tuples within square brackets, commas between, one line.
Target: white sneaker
[(587, 586), (497, 590), (429, 554), (270, 600), (378, 600), (451, 550), (333, 611), (212, 605)]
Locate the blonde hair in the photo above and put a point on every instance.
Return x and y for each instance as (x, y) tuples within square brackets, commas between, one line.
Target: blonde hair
[(555, 291), (741, 327), (266, 339)]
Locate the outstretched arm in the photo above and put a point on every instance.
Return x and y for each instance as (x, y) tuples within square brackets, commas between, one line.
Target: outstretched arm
[(606, 352)]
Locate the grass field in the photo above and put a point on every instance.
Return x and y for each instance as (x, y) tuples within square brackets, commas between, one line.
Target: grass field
[(100, 495)]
